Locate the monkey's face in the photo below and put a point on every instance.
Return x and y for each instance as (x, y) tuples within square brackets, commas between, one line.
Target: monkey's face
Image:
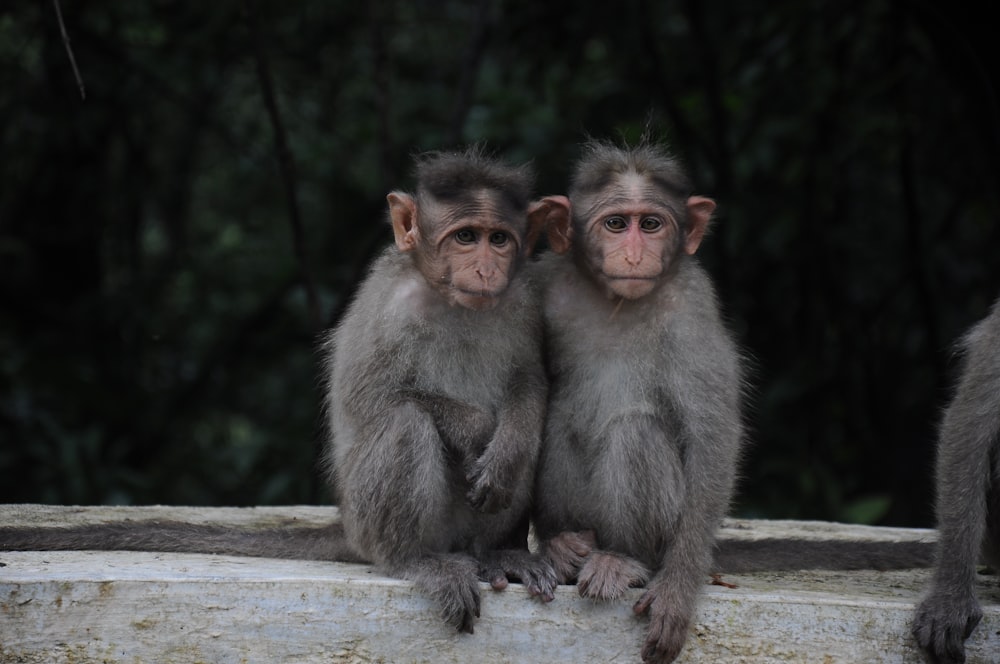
[(467, 250), (471, 255), (631, 237)]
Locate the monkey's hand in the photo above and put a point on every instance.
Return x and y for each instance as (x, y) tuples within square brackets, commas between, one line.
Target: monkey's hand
[(535, 572), (944, 620), (668, 624), (493, 481), (607, 576), (568, 551)]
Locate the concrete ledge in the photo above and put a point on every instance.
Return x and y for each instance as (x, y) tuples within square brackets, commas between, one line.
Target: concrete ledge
[(152, 607)]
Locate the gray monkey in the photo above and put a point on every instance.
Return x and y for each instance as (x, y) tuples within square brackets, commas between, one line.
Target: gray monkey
[(435, 397), (436, 389), (644, 428), (968, 498)]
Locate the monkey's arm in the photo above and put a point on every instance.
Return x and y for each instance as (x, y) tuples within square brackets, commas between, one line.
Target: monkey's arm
[(464, 429), (970, 435), (396, 497), (506, 466), (704, 393)]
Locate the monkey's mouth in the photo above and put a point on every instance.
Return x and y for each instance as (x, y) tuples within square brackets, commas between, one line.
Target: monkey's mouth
[(477, 299), (630, 287), (480, 292), (627, 278)]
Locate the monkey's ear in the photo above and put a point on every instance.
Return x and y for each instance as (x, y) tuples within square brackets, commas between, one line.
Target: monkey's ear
[(403, 213), (700, 211), (551, 215)]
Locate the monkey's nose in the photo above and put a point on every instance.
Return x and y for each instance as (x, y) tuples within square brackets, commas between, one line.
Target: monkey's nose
[(487, 275)]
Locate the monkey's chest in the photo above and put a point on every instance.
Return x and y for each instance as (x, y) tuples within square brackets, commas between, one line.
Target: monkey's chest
[(606, 371), (470, 371)]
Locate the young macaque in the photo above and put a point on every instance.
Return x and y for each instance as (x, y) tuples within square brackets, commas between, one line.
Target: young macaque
[(436, 388), (644, 430), (968, 498), (435, 394)]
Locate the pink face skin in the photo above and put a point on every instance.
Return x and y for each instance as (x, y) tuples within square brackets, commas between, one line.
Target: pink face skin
[(631, 238), (470, 261), (468, 255)]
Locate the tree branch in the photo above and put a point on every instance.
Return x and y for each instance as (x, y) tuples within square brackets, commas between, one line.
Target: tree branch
[(69, 49)]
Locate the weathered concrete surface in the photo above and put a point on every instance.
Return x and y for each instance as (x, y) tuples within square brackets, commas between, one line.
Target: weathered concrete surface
[(151, 607)]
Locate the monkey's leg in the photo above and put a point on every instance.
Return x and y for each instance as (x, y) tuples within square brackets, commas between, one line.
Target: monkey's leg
[(398, 505)]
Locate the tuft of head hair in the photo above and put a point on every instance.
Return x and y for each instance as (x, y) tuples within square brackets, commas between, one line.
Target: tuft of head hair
[(451, 176), (603, 162)]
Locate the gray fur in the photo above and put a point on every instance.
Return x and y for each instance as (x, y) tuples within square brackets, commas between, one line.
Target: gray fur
[(644, 427), (968, 498), (415, 382), (436, 413)]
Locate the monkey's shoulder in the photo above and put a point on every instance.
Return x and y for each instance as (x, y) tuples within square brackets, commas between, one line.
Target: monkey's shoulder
[(984, 337)]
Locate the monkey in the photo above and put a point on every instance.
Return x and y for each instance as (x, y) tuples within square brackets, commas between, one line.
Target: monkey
[(434, 394), (644, 428), (436, 390), (967, 497), (644, 431)]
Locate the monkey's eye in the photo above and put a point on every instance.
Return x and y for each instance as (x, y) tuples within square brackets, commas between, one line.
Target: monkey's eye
[(499, 239), (616, 224), (650, 224), (465, 236)]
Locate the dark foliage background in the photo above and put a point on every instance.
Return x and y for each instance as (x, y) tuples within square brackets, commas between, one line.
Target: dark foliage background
[(172, 245)]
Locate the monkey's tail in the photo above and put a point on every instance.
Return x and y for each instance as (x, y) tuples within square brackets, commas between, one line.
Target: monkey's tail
[(777, 555), (291, 542)]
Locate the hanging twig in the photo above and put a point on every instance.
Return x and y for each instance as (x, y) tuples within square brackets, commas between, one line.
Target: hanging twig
[(69, 49), (286, 165)]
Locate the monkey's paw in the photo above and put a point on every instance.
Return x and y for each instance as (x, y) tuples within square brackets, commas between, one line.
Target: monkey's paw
[(491, 491), (568, 551), (942, 624), (451, 580), (606, 575), (668, 627), (460, 605), (535, 572)]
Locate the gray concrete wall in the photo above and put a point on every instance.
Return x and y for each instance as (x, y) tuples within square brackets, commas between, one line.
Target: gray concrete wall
[(154, 607)]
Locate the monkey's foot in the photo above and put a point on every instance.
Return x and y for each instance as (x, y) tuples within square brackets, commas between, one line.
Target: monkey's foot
[(535, 572), (942, 624), (607, 575), (567, 552)]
